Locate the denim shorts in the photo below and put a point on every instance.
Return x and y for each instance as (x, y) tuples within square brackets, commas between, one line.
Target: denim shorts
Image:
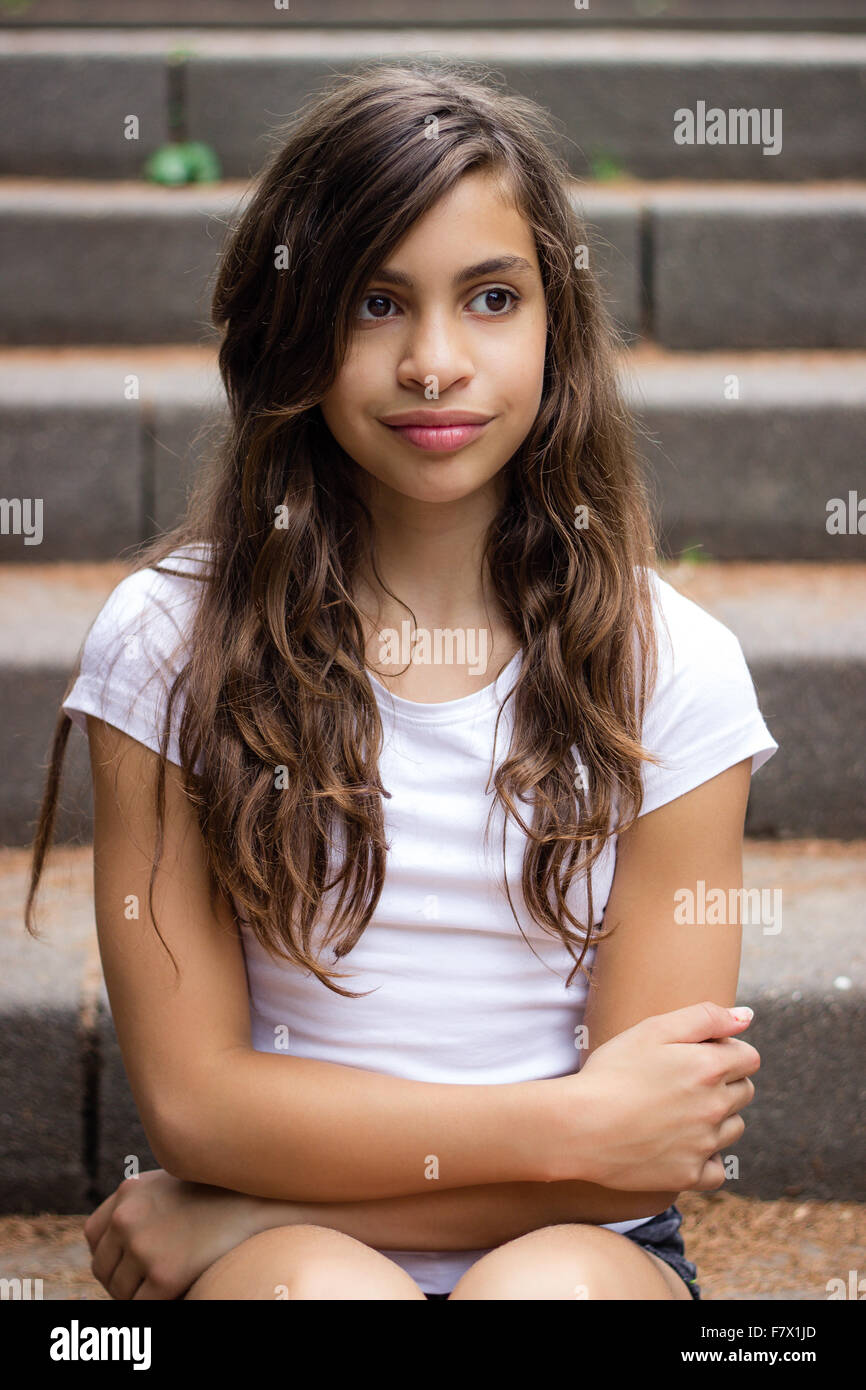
[(661, 1235)]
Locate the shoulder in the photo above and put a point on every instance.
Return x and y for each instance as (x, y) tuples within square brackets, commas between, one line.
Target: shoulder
[(688, 636), (148, 614), (137, 646), (703, 713), (701, 663)]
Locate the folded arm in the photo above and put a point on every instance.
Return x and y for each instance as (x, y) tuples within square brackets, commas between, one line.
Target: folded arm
[(303, 1131), (464, 1218), (650, 964)]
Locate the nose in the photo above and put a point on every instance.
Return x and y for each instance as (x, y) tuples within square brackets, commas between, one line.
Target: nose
[(435, 346)]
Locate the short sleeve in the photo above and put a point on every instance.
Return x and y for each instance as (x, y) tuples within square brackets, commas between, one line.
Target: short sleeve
[(704, 715), (135, 648)]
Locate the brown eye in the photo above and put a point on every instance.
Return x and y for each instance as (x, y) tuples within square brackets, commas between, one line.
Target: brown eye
[(378, 299), (498, 297)]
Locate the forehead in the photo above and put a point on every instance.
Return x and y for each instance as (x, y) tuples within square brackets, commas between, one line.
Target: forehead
[(475, 219)]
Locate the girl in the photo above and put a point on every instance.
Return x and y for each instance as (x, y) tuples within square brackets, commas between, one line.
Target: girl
[(412, 615)]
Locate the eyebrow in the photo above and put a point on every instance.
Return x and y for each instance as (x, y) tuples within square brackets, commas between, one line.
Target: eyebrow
[(494, 266)]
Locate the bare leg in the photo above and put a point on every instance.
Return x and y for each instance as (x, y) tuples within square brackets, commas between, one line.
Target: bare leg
[(303, 1262), (570, 1261)]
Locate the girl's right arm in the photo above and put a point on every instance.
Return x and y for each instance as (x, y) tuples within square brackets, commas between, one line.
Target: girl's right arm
[(214, 1109)]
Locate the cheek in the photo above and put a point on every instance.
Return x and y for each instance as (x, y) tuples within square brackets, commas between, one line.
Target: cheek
[(524, 378), (364, 376), (346, 394), (520, 358)]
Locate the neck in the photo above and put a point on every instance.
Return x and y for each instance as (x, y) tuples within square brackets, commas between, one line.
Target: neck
[(430, 555)]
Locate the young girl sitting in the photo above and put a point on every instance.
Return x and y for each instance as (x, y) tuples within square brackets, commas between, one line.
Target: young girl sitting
[(403, 754)]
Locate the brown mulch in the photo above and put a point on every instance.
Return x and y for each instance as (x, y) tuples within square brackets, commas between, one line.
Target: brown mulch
[(789, 1248), (744, 1248)]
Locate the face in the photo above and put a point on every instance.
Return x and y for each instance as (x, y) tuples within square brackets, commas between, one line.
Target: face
[(438, 335)]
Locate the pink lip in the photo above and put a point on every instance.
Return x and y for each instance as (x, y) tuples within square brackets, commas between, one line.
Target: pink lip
[(441, 438)]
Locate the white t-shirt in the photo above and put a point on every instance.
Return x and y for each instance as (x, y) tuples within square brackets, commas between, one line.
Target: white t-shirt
[(458, 995)]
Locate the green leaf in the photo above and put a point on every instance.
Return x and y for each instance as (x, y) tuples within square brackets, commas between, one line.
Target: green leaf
[(182, 162), (604, 166), (167, 165), (202, 162)]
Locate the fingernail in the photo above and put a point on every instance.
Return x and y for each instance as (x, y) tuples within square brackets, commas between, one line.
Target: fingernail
[(743, 1014)]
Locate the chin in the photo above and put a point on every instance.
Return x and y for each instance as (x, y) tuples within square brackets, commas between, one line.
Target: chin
[(439, 490)]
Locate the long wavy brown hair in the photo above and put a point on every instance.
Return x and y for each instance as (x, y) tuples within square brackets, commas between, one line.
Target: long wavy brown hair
[(275, 674)]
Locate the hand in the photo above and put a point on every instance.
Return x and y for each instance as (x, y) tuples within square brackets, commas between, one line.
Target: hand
[(154, 1236), (657, 1103)]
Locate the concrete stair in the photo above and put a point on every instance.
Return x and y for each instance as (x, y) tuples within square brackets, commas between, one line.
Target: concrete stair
[(717, 15), (613, 93), (735, 279)]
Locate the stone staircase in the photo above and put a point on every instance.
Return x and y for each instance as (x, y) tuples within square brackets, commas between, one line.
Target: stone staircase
[(736, 278)]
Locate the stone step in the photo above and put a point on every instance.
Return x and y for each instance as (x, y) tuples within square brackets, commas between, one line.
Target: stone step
[(88, 262), (745, 451), (802, 627), (68, 1121), (811, 15), (613, 93)]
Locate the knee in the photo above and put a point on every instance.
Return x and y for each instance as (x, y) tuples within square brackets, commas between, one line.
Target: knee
[(337, 1266), (269, 1264), (572, 1261), (305, 1262), (326, 1264)]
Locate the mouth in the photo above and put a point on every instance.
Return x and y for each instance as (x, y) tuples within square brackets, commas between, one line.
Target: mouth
[(441, 439)]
